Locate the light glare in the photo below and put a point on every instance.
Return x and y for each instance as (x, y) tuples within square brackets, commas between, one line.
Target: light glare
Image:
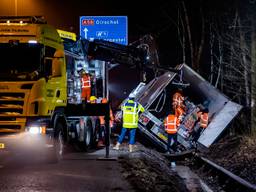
[(34, 130), (32, 41)]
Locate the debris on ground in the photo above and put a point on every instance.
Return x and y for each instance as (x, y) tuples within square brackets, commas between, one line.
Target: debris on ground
[(147, 170), (236, 154)]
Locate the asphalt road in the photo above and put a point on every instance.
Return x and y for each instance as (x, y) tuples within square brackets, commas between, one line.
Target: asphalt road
[(22, 170)]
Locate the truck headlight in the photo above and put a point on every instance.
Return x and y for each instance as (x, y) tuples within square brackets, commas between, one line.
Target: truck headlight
[(36, 130)]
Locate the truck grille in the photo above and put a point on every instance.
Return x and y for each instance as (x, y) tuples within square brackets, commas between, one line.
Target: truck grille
[(11, 103), (12, 127), (12, 111)]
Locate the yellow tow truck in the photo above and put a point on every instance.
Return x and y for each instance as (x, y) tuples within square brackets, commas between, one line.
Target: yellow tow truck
[(39, 78)]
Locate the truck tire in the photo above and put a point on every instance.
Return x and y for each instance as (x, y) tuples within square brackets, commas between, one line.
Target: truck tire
[(95, 133), (59, 141), (88, 136), (57, 151)]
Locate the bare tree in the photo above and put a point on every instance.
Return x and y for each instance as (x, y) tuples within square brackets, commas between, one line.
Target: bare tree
[(195, 45), (181, 35), (253, 87), (231, 65)]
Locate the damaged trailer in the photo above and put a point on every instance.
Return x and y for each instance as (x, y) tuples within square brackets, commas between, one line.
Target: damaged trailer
[(156, 98)]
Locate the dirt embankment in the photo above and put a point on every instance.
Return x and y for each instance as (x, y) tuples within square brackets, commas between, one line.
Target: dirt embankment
[(236, 154), (149, 171)]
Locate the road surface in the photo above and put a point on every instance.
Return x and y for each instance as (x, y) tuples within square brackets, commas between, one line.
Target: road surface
[(23, 170)]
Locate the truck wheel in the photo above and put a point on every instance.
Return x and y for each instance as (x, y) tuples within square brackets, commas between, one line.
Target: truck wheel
[(88, 137), (57, 151), (59, 141), (95, 133), (88, 134)]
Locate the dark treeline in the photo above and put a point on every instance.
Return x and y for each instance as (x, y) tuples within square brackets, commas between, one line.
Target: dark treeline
[(215, 38)]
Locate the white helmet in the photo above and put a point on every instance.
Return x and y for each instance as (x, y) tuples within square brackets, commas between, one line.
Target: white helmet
[(132, 95)]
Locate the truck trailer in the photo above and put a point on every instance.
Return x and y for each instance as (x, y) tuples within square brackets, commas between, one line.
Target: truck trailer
[(156, 98)]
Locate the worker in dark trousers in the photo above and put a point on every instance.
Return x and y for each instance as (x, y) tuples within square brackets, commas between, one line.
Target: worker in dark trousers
[(170, 123), (130, 112), (102, 131)]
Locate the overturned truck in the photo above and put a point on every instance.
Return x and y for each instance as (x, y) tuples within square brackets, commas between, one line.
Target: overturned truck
[(155, 97)]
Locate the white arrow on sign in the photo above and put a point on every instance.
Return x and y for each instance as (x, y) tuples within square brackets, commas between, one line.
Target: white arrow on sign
[(85, 32)]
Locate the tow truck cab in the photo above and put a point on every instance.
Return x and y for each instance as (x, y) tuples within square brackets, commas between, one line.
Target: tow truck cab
[(33, 73)]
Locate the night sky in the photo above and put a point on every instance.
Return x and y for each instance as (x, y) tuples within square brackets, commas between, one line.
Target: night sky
[(143, 17), (159, 18)]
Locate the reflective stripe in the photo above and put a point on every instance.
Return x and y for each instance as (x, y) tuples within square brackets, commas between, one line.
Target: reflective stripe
[(171, 124), (130, 113), (86, 82), (130, 123), (177, 99)]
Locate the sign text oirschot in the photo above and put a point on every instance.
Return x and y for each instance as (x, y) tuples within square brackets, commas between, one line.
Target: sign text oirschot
[(109, 28)]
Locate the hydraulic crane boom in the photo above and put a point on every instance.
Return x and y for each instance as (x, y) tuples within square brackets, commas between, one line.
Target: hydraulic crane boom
[(114, 53)]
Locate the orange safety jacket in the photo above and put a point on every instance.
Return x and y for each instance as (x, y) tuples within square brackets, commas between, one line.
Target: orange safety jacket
[(170, 124), (86, 81), (179, 112), (204, 120), (177, 99), (86, 87)]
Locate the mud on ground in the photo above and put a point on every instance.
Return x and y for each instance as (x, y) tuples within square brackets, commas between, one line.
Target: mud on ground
[(236, 154), (147, 170)]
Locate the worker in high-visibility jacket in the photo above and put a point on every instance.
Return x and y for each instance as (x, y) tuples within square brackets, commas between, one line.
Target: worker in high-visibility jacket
[(179, 113), (178, 99), (203, 120), (86, 86), (170, 124), (102, 130), (130, 113)]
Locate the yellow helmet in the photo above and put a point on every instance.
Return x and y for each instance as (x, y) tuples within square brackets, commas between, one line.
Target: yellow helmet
[(93, 98)]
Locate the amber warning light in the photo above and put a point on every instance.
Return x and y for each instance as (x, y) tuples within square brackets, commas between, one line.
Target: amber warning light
[(2, 146)]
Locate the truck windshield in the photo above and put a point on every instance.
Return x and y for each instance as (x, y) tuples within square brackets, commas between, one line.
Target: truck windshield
[(20, 61)]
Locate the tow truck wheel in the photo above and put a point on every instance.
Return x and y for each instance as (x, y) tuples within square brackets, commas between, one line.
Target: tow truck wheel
[(88, 134), (57, 151), (59, 141), (95, 133)]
